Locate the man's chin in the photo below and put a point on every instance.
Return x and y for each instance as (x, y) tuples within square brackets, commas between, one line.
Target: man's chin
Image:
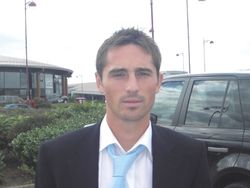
[(133, 116)]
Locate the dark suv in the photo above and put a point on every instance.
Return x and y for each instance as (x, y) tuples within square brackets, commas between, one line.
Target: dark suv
[(214, 108)]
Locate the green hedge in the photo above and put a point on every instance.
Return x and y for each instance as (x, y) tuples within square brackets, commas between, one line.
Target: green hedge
[(2, 165), (26, 144), (8, 122), (12, 123)]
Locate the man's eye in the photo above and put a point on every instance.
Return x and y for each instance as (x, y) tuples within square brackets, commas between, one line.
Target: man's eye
[(119, 74), (143, 73)]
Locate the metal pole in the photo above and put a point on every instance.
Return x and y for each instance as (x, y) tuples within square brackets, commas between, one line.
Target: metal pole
[(152, 19), (26, 53), (204, 55), (183, 67), (188, 40), (204, 51)]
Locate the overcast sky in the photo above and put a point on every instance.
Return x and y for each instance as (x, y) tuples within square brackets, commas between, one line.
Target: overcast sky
[(68, 33)]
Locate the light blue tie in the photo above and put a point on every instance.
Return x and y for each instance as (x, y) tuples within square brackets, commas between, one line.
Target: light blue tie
[(121, 164)]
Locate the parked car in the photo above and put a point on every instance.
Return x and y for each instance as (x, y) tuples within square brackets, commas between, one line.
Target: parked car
[(57, 99), (214, 108), (17, 106), (6, 99), (63, 99)]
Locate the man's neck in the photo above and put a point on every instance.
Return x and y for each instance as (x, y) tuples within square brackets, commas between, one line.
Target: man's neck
[(127, 132)]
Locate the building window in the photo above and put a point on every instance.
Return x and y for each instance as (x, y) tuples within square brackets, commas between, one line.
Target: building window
[(58, 84), (48, 84), (42, 81), (1, 79), (12, 80), (33, 80), (23, 93), (23, 80), (12, 92)]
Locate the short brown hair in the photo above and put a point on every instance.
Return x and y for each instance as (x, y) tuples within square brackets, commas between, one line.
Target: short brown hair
[(125, 37)]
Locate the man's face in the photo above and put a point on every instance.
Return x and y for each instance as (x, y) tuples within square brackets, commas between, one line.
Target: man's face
[(129, 83)]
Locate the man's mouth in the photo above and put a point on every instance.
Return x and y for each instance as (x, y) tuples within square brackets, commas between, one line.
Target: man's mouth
[(132, 102)]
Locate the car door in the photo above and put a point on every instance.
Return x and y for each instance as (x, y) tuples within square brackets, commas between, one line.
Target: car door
[(211, 112), (244, 162), (168, 101)]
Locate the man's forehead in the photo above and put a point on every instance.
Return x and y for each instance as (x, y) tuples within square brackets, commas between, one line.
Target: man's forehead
[(128, 48)]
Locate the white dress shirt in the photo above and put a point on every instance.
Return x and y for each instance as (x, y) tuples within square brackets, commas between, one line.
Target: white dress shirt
[(140, 173)]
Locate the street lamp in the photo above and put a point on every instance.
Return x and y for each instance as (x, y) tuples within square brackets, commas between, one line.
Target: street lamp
[(152, 19), (27, 4), (188, 37), (204, 51), (181, 54)]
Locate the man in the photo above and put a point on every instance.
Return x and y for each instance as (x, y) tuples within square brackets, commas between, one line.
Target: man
[(128, 65)]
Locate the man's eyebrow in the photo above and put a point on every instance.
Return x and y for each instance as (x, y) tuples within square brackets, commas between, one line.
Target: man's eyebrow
[(139, 69), (117, 70), (144, 69)]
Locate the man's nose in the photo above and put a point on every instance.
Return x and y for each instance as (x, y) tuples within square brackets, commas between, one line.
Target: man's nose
[(132, 84)]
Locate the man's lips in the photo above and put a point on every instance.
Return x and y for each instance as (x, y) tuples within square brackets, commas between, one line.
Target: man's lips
[(132, 101)]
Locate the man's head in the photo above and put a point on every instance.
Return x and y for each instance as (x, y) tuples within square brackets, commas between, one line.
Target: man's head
[(128, 75), (125, 37)]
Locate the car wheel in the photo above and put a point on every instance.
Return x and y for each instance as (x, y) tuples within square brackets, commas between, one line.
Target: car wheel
[(238, 185)]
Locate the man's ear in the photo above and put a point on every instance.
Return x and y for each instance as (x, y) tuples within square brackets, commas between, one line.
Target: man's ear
[(160, 79), (99, 83)]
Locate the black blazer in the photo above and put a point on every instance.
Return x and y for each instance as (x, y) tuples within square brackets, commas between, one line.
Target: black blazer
[(71, 161)]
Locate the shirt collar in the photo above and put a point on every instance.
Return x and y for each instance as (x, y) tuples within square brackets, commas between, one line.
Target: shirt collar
[(107, 137)]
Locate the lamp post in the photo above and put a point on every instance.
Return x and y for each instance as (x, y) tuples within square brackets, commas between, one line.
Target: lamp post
[(188, 38), (27, 4), (204, 51), (188, 35), (152, 19), (181, 54)]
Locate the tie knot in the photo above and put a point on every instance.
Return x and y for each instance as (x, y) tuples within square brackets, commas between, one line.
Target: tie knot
[(122, 163)]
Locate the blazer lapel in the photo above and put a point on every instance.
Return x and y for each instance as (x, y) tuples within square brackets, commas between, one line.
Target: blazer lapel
[(165, 162)]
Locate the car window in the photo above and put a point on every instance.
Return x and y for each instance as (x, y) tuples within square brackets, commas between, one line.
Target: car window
[(231, 116), (166, 101), (245, 100), (214, 103)]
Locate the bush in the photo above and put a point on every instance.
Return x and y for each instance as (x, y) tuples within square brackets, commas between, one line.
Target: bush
[(72, 99), (2, 165), (26, 144), (7, 123), (15, 122), (41, 103), (36, 121)]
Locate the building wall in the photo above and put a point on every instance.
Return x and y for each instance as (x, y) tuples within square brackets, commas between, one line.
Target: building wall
[(41, 84)]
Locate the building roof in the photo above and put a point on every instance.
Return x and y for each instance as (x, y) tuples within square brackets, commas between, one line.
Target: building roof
[(6, 61), (84, 88)]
